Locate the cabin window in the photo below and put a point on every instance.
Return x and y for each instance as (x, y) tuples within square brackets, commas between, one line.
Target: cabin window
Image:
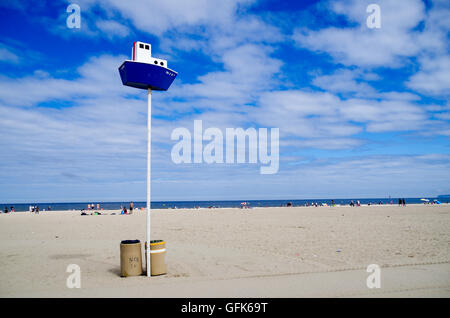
[(147, 47), (141, 46), (162, 64), (156, 62)]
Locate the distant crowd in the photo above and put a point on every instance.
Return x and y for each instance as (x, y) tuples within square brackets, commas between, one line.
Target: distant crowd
[(91, 209), (6, 210), (401, 202)]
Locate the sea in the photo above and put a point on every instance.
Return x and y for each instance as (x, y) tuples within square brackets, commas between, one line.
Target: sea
[(70, 206)]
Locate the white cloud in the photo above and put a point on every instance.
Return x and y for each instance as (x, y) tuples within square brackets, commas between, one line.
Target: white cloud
[(385, 115), (366, 47), (433, 77), (323, 143), (344, 81), (327, 121), (331, 177), (398, 39), (99, 77), (156, 17), (8, 56), (112, 29), (248, 70)]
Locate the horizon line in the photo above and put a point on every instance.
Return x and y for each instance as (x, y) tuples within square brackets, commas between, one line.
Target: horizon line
[(227, 200)]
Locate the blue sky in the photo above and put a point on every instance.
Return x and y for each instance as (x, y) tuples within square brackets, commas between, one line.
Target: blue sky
[(362, 112)]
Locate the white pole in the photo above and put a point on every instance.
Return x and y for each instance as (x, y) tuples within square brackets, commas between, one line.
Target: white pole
[(149, 152)]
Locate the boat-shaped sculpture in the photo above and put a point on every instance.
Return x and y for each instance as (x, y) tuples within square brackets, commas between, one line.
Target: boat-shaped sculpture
[(144, 71)]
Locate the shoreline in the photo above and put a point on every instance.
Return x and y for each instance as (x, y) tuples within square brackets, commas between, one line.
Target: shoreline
[(24, 207), (226, 208)]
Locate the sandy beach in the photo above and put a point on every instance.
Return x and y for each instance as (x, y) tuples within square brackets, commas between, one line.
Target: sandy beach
[(260, 252)]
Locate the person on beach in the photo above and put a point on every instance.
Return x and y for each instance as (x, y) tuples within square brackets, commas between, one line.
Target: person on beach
[(6, 209), (131, 206), (400, 202), (403, 202)]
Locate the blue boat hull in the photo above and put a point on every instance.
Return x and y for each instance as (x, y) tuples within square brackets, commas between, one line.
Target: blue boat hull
[(144, 76)]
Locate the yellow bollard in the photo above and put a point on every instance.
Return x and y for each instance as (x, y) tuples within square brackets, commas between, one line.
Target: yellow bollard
[(157, 257)]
